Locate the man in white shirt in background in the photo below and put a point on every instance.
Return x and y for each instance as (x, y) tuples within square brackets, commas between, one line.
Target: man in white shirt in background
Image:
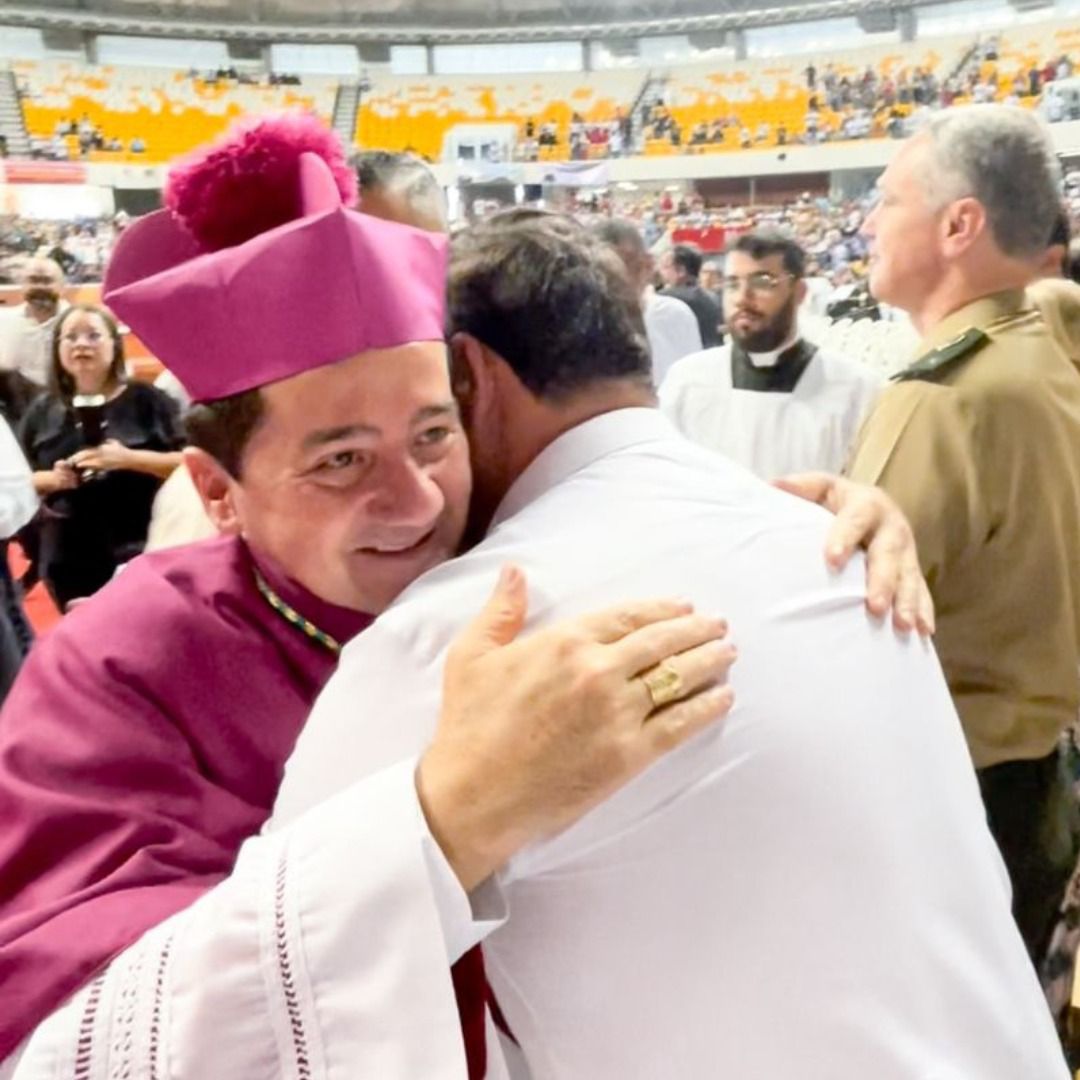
[(770, 399), (18, 504), (811, 889), (818, 290), (26, 331), (671, 327)]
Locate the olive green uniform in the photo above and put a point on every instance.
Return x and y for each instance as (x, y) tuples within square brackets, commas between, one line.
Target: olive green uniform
[(979, 442)]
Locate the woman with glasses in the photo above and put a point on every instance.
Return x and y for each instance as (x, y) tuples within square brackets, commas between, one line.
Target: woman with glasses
[(100, 446)]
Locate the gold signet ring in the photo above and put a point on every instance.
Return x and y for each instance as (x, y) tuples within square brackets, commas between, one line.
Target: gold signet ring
[(664, 684)]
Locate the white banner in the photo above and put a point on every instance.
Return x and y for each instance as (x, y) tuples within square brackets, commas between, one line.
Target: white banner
[(578, 174)]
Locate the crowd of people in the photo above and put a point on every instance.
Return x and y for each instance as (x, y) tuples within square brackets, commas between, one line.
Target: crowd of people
[(584, 140), (872, 103), (828, 230), (80, 247), (244, 77), (76, 138), (540, 418), (841, 106), (73, 139)]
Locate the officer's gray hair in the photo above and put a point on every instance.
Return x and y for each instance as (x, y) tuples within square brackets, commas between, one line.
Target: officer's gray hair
[(404, 173), (1002, 156)]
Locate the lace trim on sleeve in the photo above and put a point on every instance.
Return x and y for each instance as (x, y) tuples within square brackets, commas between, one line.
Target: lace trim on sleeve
[(120, 1029), (84, 1053), (156, 1072), (287, 974)]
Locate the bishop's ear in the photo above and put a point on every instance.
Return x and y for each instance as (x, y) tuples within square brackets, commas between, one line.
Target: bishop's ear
[(216, 489)]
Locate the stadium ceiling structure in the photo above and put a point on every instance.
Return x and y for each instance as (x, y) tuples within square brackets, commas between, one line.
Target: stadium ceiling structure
[(431, 21)]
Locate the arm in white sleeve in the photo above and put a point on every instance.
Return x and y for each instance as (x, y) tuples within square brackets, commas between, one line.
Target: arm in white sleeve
[(324, 955), (18, 500), (669, 394), (8, 360)]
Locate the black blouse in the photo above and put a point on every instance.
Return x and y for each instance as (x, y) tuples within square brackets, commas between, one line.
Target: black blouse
[(104, 521)]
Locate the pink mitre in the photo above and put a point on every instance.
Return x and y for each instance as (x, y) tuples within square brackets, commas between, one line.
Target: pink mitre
[(257, 270)]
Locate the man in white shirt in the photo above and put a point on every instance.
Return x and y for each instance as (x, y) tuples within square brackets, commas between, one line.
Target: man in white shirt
[(670, 325), (26, 332), (282, 946), (770, 400), (18, 504), (18, 500), (810, 890)]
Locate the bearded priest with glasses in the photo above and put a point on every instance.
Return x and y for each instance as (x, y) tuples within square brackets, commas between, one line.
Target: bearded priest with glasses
[(771, 400)]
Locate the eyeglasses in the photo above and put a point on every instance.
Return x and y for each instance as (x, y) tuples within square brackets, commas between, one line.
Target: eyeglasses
[(761, 281), (73, 337)]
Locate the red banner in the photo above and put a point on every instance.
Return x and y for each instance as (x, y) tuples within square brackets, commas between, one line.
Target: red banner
[(709, 240), (43, 172)]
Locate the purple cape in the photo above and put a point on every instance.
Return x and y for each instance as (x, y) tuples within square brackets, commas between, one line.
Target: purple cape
[(142, 743)]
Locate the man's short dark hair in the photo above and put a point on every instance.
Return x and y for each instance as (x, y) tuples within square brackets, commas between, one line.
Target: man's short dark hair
[(553, 301), (223, 428), (762, 243), (687, 258)]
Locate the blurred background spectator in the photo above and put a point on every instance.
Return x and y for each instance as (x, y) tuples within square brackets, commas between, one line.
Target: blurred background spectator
[(100, 446)]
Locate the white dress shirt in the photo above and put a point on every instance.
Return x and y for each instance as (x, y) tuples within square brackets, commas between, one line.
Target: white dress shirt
[(772, 434), (178, 515), (18, 500), (808, 889), (26, 344), (672, 329)]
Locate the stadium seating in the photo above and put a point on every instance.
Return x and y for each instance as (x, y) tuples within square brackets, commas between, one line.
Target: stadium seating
[(169, 111), (775, 93), (417, 113), (172, 111), (1024, 47)]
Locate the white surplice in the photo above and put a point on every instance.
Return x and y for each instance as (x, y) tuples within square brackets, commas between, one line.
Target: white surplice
[(808, 889), (673, 332), (773, 434), (324, 956)]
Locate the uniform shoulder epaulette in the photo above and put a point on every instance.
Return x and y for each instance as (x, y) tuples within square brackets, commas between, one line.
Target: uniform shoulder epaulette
[(935, 362)]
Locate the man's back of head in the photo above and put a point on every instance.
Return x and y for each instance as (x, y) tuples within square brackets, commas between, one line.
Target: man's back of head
[(400, 187), (686, 262), (624, 237), (546, 330), (551, 300)]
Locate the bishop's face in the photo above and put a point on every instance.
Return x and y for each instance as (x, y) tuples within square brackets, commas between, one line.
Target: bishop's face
[(761, 301), (356, 480)]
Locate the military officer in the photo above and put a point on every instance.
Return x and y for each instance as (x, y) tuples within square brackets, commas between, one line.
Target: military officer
[(979, 441)]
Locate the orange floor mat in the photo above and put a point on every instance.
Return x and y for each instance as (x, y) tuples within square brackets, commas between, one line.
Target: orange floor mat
[(40, 609)]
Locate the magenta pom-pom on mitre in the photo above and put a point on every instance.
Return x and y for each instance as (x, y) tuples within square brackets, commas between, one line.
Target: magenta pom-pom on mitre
[(249, 181)]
